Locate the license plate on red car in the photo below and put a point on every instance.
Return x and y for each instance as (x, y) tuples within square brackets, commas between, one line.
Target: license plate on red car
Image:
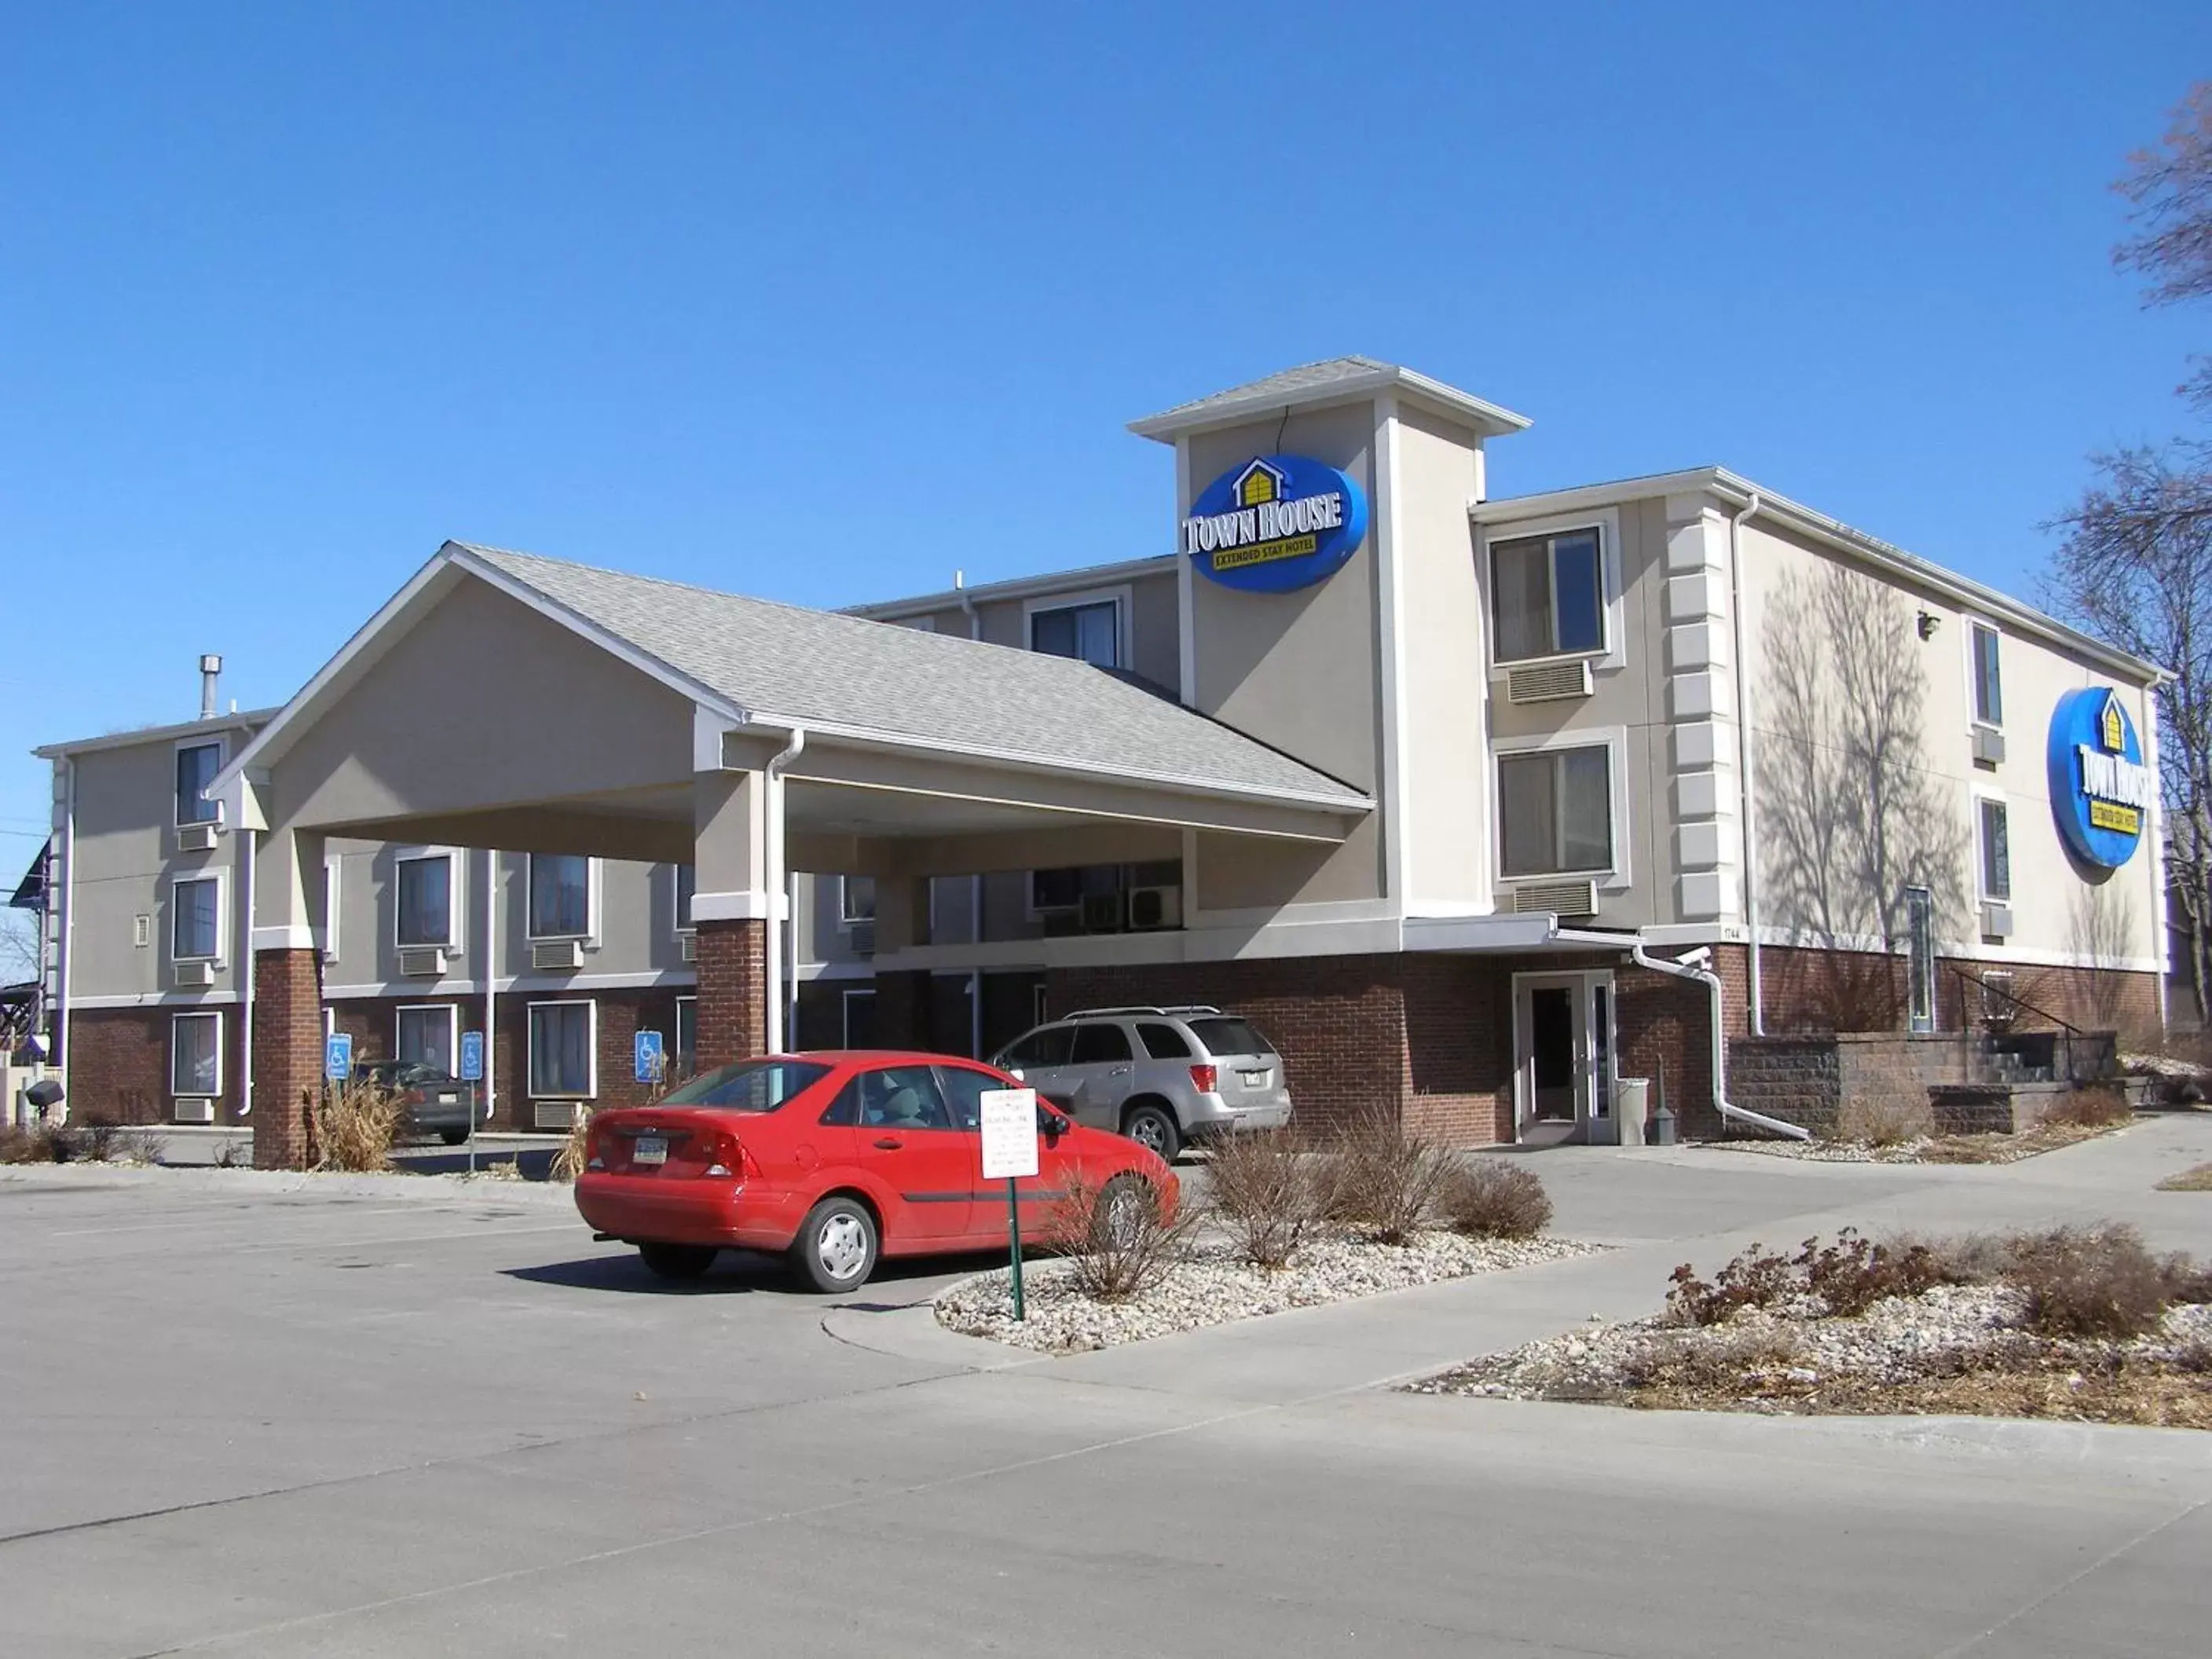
[(649, 1149)]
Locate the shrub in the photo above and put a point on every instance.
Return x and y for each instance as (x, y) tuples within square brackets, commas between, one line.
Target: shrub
[(2187, 1280), (1488, 1199), (354, 1124), (2096, 1107), (38, 1145), (1757, 1278), (2094, 1282), (1883, 1121), (576, 1150), (1117, 1242), (102, 1140), (1267, 1194), (1966, 1259), (1380, 1181), (1853, 1273)]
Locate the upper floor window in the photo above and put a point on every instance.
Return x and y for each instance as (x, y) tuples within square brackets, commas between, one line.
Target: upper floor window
[(196, 765), (560, 896), (1989, 687), (856, 899), (1555, 813), (424, 894), (1547, 596), (196, 920), (1996, 840), (1091, 632), (687, 886)]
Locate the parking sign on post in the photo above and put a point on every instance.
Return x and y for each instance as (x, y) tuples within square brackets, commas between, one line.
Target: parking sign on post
[(648, 1057), (338, 1057), (1010, 1151), (472, 1074)]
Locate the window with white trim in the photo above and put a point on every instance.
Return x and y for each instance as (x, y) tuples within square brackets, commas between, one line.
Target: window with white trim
[(1994, 837), (687, 889), (1989, 686), (1547, 596), (196, 1053), (423, 908), (196, 765), (427, 1035), (561, 1060), (856, 900), (858, 1021), (1555, 813), (332, 872), (687, 1031), (1090, 633), (196, 919), (560, 896)]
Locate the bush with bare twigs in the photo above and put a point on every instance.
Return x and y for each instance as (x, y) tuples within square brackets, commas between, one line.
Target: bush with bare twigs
[(1267, 1192), (354, 1124), (1883, 1120), (35, 1145), (1382, 1181), (1490, 1198), (1118, 1240), (2096, 1107), (2098, 1281)]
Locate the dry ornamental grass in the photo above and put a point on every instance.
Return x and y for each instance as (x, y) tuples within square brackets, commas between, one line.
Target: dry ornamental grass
[(353, 1126)]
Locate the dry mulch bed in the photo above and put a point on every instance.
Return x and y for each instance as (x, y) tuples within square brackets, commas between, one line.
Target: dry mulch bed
[(1932, 1149)]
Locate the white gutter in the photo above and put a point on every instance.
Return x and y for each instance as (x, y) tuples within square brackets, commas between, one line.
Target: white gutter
[(1693, 966), (772, 879), (1755, 998)]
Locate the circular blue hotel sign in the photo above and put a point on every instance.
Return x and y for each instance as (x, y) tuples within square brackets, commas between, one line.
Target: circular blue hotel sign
[(2100, 790), (1277, 523)]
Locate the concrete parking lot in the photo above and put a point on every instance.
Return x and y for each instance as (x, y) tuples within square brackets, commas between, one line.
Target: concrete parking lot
[(255, 1417)]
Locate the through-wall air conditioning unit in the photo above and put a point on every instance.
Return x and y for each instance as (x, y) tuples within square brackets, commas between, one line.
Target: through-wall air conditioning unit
[(555, 1114), (1563, 898), (1989, 746), (195, 975), (1996, 919), (1548, 681), (1102, 913), (193, 1111), (423, 961), (863, 935), (1151, 908), (556, 955), (687, 946), (197, 838)]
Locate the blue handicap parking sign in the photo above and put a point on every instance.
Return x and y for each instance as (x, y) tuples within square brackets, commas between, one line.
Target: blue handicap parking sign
[(648, 1054), (473, 1056), (338, 1057)]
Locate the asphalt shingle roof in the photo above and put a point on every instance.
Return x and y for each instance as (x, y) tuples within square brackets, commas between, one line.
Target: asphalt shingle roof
[(1302, 378), (783, 662)]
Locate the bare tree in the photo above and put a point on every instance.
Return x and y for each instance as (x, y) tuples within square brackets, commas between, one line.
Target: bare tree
[(2135, 566), (19, 946)]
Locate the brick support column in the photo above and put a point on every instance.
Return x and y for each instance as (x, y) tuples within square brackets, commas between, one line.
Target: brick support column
[(288, 1053), (732, 964)]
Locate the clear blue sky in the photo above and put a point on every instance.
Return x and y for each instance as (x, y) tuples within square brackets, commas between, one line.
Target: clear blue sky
[(822, 303)]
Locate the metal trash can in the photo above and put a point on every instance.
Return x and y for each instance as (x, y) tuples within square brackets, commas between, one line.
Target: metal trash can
[(1631, 1099)]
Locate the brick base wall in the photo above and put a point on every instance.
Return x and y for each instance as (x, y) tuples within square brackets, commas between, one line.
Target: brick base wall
[(119, 1071), (1810, 990), (288, 1053), (732, 964)]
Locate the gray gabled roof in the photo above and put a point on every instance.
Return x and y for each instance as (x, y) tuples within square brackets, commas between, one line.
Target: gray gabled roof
[(1331, 377), (783, 664)]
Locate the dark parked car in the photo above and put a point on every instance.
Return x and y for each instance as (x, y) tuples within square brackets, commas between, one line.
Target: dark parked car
[(437, 1103)]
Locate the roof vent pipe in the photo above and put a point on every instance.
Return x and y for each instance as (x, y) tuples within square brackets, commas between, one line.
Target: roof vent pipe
[(210, 670), (1693, 966)]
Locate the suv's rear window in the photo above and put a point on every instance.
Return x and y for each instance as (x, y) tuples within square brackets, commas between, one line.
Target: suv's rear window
[(750, 1085), (1225, 1036), (1163, 1042), (1096, 1044)]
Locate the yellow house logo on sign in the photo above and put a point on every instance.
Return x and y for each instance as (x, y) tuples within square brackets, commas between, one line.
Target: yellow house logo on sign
[(2112, 730), (1260, 485)]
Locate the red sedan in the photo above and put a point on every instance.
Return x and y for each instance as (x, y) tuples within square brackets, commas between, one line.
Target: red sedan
[(834, 1160)]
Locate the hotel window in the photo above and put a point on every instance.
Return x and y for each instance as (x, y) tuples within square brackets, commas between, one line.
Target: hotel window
[(1547, 597), (196, 920), (1989, 687), (560, 896), (423, 904), (196, 1054), (856, 900), (425, 1036), (196, 765), (687, 886), (1555, 813), (687, 1032), (1091, 632), (860, 1019), (561, 1047), (1996, 850)]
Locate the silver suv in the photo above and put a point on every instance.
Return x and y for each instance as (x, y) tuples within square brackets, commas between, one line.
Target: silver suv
[(1163, 1077)]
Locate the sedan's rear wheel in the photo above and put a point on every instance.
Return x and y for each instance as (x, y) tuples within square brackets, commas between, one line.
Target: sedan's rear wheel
[(835, 1249), (1153, 1128), (676, 1261)]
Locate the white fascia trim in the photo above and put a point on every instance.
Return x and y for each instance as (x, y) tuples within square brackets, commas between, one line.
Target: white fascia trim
[(751, 906), (184, 1000), (245, 720), (1121, 598), (1735, 489), (1490, 420), (835, 970), (1019, 587), (421, 990), (289, 936)]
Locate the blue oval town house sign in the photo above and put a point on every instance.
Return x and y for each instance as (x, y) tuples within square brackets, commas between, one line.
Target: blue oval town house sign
[(1277, 523), (2100, 790)]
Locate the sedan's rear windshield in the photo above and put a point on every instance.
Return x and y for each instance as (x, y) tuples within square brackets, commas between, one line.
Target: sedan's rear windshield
[(1223, 1035), (750, 1085)]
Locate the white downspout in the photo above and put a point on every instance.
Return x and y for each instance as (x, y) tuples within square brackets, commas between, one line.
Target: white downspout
[(975, 882), (66, 934), (491, 986), (1755, 997), (772, 880), (249, 843), (1693, 966)]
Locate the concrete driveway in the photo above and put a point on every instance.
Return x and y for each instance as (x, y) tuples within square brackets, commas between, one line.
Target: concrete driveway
[(254, 1417)]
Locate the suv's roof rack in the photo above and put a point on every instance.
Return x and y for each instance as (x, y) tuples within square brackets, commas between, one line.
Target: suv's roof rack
[(1101, 1013)]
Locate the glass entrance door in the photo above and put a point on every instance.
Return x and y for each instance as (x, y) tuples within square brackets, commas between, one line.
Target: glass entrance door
[(1563, 1053)]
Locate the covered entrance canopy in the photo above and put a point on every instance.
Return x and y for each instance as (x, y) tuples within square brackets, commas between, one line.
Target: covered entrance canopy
[(527, 704)]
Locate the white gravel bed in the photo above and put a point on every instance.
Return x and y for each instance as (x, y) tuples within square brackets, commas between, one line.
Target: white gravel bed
[(1826, 1152), (1892, 1342), (1213, 1287)]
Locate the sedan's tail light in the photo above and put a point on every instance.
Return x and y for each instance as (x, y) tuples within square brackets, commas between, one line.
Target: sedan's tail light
[(723, 1155), (1205, 1079)]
